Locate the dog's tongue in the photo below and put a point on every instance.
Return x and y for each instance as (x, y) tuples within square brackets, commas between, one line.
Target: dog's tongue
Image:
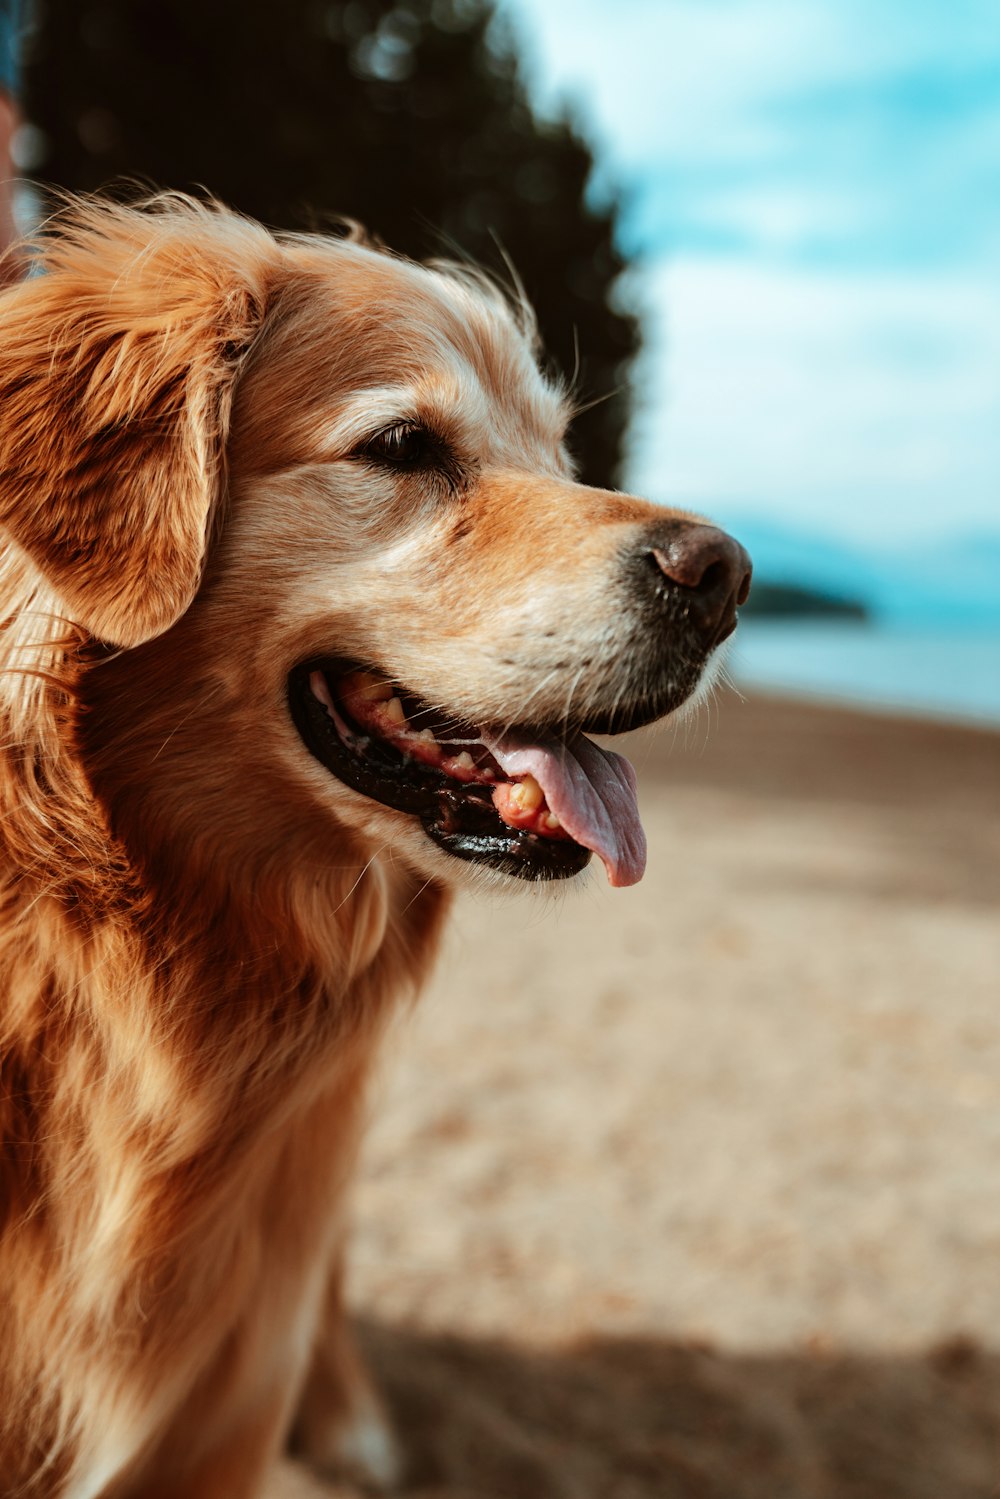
[(591, 791)]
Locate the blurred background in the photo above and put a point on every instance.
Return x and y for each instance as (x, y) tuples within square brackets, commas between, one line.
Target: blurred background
[(812, 194), (688, 1190), (763, 236)]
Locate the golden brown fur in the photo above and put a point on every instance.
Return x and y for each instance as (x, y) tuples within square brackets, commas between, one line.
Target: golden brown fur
[(203, 932)]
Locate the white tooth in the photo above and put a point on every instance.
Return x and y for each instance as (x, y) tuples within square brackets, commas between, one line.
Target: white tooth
[(490, 775), (527, 794), (371, 688), (393, 711), (552, 821), (464, 761), (426, 737)]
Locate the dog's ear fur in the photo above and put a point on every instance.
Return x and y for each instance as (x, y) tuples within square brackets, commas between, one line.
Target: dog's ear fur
[(117, 367)]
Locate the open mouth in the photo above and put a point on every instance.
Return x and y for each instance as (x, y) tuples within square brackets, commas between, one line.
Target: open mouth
[(534, 805)]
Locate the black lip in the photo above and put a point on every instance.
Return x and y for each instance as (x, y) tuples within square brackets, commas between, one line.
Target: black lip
[(647, 707), (463, 823)]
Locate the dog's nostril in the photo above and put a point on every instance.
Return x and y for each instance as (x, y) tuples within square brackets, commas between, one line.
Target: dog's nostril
[(713, 578)]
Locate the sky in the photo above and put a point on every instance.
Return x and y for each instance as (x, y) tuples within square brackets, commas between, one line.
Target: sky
[(812, 189)]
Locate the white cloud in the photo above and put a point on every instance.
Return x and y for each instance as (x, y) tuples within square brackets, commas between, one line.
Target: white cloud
[(862, 402), (687, 76)]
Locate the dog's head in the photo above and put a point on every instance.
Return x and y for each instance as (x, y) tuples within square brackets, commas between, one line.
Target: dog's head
[(320, 500)]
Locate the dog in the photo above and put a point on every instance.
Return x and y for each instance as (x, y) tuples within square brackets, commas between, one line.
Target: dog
[(305, 622)]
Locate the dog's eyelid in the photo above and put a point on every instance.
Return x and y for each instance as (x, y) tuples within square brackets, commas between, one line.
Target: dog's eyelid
[(409, 444), (406, 425)]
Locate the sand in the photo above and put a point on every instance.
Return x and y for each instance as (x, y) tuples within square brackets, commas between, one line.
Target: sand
[(694, 1189)]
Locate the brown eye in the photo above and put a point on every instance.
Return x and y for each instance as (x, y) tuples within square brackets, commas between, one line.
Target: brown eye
[(407, 446)]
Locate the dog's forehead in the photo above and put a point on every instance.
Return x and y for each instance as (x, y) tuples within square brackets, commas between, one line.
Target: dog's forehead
[(357, 321), (430, 308)]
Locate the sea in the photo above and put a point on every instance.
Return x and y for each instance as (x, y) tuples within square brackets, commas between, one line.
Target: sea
[(950, 672)]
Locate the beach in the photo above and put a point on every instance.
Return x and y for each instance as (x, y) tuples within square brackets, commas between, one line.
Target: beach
[(692, 1189)]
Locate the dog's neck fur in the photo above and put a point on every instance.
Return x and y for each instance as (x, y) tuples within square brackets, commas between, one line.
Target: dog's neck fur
[(199, 1028)]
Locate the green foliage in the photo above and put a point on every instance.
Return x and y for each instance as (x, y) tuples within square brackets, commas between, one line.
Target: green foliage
[(410, 117)]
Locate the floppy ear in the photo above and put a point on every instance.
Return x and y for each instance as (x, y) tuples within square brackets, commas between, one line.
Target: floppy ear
[(117, 367)]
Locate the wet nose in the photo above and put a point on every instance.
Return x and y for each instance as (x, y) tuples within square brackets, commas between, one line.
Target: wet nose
[(710, 572)]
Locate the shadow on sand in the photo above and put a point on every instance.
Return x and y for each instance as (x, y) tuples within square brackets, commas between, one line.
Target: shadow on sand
[(635, 1419)]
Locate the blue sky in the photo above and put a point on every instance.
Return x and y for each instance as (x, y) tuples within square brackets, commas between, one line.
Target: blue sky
[(813, 188)]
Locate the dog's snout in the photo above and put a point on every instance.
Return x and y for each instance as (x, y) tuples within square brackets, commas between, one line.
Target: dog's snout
[(710, 571)]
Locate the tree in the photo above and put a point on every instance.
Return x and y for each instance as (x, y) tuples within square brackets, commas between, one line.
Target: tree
[(411, 117)]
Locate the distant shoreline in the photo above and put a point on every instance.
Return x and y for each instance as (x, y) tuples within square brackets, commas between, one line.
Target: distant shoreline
[(943, 673), (794, 601)]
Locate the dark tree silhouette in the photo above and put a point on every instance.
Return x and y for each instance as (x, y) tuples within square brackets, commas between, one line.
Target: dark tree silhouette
[(411, 117)]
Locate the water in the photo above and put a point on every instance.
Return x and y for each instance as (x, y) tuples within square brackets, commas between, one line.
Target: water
[(949, 673)]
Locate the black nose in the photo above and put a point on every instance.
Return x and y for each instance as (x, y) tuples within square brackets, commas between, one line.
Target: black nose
[(710, 572)]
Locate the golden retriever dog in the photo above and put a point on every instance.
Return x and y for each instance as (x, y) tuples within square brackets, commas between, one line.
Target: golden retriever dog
[(304, 622)]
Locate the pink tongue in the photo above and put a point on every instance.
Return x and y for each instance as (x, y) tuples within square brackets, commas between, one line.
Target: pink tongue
[(591, 791)]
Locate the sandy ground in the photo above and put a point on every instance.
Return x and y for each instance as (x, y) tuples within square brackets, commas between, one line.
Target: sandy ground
[(694, 1189)]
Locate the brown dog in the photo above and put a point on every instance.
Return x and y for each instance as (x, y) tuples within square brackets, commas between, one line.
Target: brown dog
[(303, 619)]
